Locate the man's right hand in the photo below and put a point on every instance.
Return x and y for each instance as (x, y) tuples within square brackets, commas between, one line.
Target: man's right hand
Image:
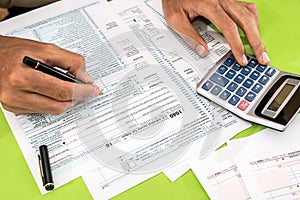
[(25, 90)]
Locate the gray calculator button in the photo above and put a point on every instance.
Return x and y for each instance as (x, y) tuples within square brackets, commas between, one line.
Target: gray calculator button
[(207, 85), (224, 95), (232, 86), (216, 90), (222, 69), (220, 80)]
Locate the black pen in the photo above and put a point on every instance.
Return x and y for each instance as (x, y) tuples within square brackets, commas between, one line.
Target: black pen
[(37, 65), (45, 168)]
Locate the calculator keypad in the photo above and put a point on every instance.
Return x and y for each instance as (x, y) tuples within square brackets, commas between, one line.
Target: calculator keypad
[(237, 85)]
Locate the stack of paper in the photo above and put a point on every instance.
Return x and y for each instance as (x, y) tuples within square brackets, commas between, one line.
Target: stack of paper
[(263, 166)]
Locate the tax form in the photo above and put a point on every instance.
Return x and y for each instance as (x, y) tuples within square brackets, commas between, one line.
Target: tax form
[(220, 176), (264, 166), (148, 116), (272, 160)]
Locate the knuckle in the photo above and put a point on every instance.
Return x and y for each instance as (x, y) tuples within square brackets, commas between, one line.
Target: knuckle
[(171, 19), (80, 58), (259, 46), (49, 46), (62, 93), (230, 26), (252, 5), (15, 80), (247, 21)]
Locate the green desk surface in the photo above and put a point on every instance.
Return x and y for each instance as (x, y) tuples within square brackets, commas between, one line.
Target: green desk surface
[(280, 32)]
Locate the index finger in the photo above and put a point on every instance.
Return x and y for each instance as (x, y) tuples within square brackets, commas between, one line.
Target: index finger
[(53, 55), (247, 19), (44, 84), (230, 31)]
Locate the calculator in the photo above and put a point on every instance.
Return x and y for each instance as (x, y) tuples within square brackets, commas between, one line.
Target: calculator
[(257, 93)]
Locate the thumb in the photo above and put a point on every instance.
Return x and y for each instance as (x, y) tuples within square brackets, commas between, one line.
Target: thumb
[(182, 25)]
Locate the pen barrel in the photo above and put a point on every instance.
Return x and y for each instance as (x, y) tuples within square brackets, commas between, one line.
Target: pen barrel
[(49, 70), (56, 73), (46, 168)]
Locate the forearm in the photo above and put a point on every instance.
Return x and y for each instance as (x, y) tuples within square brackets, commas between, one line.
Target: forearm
[(24, 3)]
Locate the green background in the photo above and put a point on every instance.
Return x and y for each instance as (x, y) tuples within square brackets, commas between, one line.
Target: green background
[(280, 32)]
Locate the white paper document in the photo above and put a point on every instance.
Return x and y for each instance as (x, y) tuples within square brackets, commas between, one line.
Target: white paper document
[(263, 166), (220, 176), (272, 158), (149, 116)]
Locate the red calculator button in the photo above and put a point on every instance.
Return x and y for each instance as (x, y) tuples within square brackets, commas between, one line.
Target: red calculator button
[(243, 105)]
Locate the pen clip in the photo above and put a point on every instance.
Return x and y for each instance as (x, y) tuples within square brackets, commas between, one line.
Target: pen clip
[(41, 170)]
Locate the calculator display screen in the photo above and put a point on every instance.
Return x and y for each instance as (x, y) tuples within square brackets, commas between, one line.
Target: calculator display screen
[(281, 96)]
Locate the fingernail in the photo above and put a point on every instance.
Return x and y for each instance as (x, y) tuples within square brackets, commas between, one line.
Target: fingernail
[(265, 57), (201, 51), (244, 60), (97, 91)]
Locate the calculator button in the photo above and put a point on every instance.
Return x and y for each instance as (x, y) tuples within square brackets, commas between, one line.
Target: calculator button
[(232, 57), (207, 85), (246, 70), (228, 62), (216, 90), (263, 80), (257, 88), (250, 96), (224, 95), (239, 78), (234, 100), (230, 74), (255, 75), (236, 67), (222, 69), (232, 86), (243, 105), (248, 83), (270, 72), (252, 63), (220, 80), (241, 91), (261, 68)]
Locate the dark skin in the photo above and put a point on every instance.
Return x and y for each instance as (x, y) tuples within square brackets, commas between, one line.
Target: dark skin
[(25, 90), (226, 15)]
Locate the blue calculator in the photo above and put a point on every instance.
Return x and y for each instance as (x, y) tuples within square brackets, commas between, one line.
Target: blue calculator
[(257, 93)]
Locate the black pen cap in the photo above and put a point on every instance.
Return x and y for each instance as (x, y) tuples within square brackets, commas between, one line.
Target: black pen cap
[(29, 61), (46, 168)]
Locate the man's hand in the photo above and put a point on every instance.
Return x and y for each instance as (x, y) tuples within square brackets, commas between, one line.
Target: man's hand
[(25, 90), (226, 15)]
